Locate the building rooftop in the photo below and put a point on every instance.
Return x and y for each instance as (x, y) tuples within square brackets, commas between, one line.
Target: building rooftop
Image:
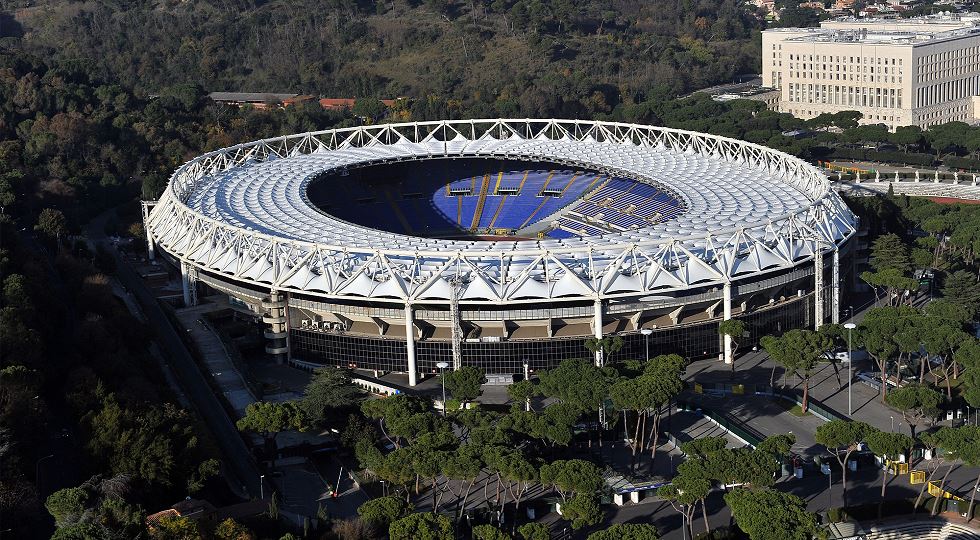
[(251, 97), (934, 19), (878, 37), (878, 30)]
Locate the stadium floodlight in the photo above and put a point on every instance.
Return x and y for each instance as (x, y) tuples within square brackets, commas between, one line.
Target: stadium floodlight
[(442, 366), (850, 367), (646, 340)]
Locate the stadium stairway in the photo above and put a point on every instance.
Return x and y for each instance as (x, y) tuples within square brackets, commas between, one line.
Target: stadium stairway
[(478, 212), (496, 214), (923, 530)]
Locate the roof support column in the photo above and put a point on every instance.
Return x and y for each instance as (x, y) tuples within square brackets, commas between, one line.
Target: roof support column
[(835, 288), (410, 345), (150, 246), (187, 284), (457, 329), (597, 330), (285, 328), (817, 287), (727, 315)]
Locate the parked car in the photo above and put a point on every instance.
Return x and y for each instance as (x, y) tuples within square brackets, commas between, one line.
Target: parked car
[(857, 355)]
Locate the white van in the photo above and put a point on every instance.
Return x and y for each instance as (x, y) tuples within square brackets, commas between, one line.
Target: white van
[(857, 355)]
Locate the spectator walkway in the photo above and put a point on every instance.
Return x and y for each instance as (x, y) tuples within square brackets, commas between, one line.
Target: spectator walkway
[(689, 425), (216, 359)]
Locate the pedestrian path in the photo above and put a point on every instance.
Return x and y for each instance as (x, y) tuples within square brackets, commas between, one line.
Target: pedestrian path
[(689, 425), (216, 359), (828, 384)]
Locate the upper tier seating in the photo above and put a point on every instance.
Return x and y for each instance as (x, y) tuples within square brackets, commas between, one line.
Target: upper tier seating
[(503, 201)]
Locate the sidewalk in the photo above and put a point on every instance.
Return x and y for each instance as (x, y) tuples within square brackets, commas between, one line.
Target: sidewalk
[(215, 357), (767, 416), (757, 367)]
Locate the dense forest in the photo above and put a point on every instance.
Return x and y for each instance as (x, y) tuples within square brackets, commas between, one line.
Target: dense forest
[(569, 58), (83, 402)]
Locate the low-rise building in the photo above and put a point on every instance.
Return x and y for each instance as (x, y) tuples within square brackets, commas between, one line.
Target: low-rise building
[(206, 514), (769, 96), (348, 103), (259, 100)]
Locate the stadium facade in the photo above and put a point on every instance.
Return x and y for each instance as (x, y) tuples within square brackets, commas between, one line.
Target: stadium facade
[(505, 243)]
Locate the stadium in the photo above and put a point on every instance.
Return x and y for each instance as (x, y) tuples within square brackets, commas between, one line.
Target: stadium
[(505, 244)]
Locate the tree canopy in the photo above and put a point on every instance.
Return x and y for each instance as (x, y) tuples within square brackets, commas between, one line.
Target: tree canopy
[(422, 526), (383, 511), (841, 438), (271, 418), (771, 515), (799, 351), (464, 383), (329, 390), (573, 476), (917, 402), (627, 531)]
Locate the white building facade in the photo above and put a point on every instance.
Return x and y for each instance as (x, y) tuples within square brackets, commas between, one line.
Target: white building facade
[(919, 72)]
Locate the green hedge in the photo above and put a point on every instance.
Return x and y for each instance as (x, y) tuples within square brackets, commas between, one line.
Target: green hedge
[(863, 154), (956, 162), (897, 507)]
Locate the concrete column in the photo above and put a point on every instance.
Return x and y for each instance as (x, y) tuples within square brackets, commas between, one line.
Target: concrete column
[(835, 288), (727, 314), (599, 353), (276, 335), (187, 285), (150, 246), (285, 328), (817, 288), (410, 345), (597, 330), (457, 329)]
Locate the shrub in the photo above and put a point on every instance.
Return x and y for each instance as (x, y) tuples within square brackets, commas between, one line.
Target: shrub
[(837, 515), (956, 162), (382, 511)]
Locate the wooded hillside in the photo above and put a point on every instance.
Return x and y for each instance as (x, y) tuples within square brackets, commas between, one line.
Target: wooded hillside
[(523, 57)]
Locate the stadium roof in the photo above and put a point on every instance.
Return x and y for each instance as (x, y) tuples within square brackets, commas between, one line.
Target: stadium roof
[(243, 211), (270, 197)]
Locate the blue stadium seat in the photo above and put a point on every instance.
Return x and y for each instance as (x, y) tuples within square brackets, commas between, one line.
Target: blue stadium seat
[(444, 197)]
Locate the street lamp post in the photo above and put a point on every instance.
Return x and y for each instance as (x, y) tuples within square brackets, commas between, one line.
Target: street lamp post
[(646, 338), (262, 487), (830, 488), (684, 520), (527, 377), (442, 366), (336, 489), (850, 366), (893, 423)]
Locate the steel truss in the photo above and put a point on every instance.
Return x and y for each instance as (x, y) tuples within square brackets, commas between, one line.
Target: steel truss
[(528, 273)]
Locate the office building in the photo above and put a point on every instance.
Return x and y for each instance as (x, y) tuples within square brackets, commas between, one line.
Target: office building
[(922, 71)]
